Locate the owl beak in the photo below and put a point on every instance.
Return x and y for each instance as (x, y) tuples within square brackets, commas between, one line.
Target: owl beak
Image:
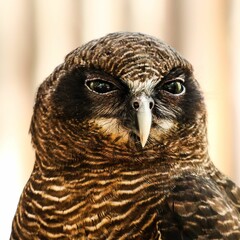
[(143, 105)]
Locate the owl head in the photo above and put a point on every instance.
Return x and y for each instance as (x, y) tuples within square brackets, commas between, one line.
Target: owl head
[(125, 92)]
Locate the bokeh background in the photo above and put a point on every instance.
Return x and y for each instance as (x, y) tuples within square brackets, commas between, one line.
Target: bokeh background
[(35, 35)]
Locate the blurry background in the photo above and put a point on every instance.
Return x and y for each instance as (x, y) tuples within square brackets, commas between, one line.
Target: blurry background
[(35, 35)]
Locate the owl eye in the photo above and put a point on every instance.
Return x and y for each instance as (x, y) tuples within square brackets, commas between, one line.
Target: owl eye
[(174, 87), (100, 86)]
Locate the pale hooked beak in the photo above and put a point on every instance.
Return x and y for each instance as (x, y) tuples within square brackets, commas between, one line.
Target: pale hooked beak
[(143, 106)]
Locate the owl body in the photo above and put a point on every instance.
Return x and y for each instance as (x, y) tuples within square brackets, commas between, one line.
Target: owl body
[(119, 131)]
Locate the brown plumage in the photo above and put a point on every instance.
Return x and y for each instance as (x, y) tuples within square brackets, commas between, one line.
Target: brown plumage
[(119, 131)]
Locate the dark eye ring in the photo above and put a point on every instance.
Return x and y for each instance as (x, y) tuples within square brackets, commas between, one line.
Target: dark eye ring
[(175, 87), (100, 86)]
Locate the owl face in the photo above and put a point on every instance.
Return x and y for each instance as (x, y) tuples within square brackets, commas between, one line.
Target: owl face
[(129, 112), (129, 90)]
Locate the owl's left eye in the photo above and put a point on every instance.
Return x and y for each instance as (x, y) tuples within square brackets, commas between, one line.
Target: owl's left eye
[(174, 87), (100, 86)]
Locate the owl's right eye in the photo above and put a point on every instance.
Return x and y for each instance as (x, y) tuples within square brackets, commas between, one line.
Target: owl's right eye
[(100, 86)]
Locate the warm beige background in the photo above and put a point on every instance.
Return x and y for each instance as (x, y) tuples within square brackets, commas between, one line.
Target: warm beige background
[(35, 35)]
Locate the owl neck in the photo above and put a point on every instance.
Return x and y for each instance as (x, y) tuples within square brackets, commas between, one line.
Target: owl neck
[(70, 145), (94, 152)]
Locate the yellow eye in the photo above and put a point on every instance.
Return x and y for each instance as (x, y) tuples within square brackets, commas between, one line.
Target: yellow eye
[(174, 87), (100, 86)]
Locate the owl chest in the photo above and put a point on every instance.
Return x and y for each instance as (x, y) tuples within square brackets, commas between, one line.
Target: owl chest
[(124, 207)]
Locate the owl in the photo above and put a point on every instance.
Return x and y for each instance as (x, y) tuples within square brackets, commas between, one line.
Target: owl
[(119, 132)]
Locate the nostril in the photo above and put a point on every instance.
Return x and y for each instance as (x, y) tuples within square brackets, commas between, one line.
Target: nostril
[(136, 105), (139, 104), (151, 105)]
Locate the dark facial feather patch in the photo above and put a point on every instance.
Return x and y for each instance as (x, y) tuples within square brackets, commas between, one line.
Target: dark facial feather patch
[(119, 131)]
